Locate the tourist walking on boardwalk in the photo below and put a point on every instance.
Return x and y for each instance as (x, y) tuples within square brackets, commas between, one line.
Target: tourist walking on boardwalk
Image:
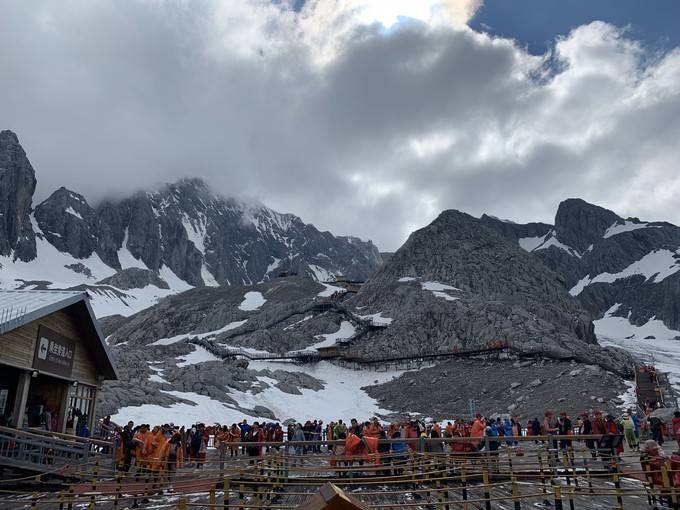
[(628, 427), (655, 427)]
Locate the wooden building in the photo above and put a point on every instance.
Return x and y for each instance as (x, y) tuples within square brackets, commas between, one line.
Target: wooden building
[(53, 359)]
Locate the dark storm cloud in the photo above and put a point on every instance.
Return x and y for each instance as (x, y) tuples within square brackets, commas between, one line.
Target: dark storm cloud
[(369, 132)]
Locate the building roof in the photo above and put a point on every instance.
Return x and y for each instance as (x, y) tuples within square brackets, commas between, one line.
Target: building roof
[(19, 307)]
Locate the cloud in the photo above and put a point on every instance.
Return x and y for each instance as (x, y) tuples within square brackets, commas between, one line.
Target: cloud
[(358, 127)]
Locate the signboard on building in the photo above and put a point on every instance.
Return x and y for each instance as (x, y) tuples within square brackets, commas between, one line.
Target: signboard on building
[(54, 352)]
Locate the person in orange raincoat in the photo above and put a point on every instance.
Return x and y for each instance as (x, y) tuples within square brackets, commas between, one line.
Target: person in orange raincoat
[(234, 436), (373, 429), (412, 433), (477, 431), (139, 440)]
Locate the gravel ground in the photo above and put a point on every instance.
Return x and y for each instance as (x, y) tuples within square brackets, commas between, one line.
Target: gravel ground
[(521, 388)]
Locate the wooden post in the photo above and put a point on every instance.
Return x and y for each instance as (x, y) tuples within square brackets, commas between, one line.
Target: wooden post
[(34, 500), (487, 489), (588, 477), (558, 497), (226, 482), (463, 483), (543, 488), (182, 505), (565, 461), (667, 489), (241, 496), (617, 485), (212, 498), (515, 494), (116, 497)]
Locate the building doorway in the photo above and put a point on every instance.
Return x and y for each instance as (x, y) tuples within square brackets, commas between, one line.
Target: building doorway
[(43, 406)]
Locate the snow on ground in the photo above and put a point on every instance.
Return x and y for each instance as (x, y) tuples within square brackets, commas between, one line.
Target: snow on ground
[(341, 397), (306, 318), (377, 319), (329, 290), (626, 226), (656, 265), (663, 350), (275, 263), (438, 289), (195, 230), (126, 258), (406, 279), (184, 336), (50, 266), (345, 331), (321, 274), (208, 277), (252, 301), (157, 378), (199, 355), (550, 239), (203, 409)]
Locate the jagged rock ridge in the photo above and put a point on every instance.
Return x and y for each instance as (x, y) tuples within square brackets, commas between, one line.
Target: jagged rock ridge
[(180, 236)]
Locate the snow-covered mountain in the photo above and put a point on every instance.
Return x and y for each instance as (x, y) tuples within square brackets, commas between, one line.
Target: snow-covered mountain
[(129, 253), (625, 272)]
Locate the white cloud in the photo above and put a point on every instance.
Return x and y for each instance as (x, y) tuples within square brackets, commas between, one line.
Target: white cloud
[(368, 129)]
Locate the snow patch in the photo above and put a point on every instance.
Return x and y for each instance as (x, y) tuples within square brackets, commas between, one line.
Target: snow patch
[(198, 355), (663, 351), (377, 319), (252, 301), (655, 266), (321, 274), (406, 279), (438, 289), (550, 239), (177, 338), (70, 210), (330, 290), (626, 226), (345, 331), (201, 408)]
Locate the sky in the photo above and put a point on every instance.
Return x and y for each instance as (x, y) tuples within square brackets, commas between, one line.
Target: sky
[(364, 117)]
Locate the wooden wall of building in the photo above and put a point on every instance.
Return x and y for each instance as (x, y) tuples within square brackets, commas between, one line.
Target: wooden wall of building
[(17, 346)]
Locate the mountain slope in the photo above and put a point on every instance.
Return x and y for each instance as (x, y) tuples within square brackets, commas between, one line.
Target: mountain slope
[(617, 268), (457, 283), (129, 253)]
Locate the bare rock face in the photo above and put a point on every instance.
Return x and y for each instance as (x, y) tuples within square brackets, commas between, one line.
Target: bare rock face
[(493, 291), (594, 241), (68, 223), (579, 224), (17, 184), (203, 238)]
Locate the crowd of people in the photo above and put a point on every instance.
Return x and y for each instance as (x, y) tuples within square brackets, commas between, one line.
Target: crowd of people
[(164, 448)]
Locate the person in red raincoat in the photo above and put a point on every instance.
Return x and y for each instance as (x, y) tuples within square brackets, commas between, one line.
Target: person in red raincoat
[(675, 427)]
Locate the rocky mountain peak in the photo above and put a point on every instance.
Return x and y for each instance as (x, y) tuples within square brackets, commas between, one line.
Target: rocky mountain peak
[(17, 184), (579, 224), (68, 223)]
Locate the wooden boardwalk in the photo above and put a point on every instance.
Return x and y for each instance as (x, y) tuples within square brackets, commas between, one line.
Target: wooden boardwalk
[(513, 478)]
